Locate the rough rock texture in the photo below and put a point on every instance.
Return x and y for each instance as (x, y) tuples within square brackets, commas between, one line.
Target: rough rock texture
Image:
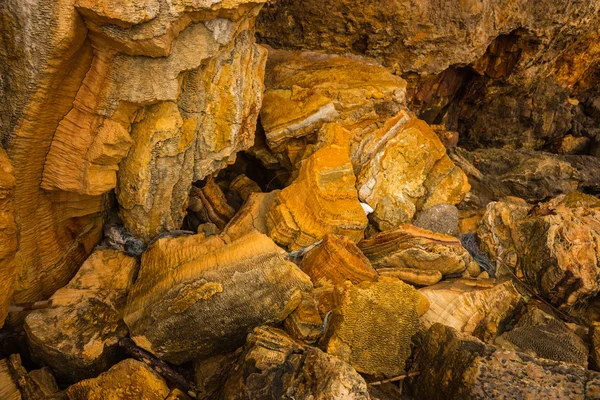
[(210, 205), (544, 336), (274, 366), (321, 200), (76, 73), (252, 215), (129, 379), (475, 307), (555, 245), (441, 218), (8, 387), (480, 371), (38, 384), (305, 323), (77, 338), (8, 234), (335, 261), (373, 325), (518, 73), (412, 276), (595, 345), (196, 297), (416, 248), (531, 175)]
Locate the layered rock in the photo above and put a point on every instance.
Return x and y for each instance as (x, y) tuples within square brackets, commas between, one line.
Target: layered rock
[(335, 261), (17, 383), (252, 215), (273, 365), (129, 378), (475, 307), (475, 370), (8, 234), (196, 297), (544, 336), (76, 81), (553, 246), (321, 201), (78, 337), (418, 249), (305, 323), (372, 326), (210, 205)]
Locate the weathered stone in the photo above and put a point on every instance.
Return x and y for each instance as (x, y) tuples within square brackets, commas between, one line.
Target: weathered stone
[(595, 345), (130, 379), (8, 387), (195, 297), (412, 247), (335, 261), (476, 307), (373, 325), (274, 366), (211, 373), (252, 215), (321, 200), (531, 175), (210, 204), (452, 365), (38, 384), (570, 144), (305, 323), (244, 187), (544, 336), (441, 218), (412, 276), (78, 337), (8, 234)]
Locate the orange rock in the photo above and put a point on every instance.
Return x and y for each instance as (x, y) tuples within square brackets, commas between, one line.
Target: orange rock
[(244, 186), (210, 204), (335, 261), (321, 200), (252, 215), (305, 323), (412, 276), (8, 234)]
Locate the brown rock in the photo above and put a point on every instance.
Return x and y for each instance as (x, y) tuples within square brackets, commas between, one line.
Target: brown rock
[(78, 337), (252, 215), (195, 297), (544, 336), (210, 204), (595, 345), (412, 247), (8, 387), (441, 218), (274, 366), (244, 187), (322, 200), (211, 373), (479, 371), (130, 379), (373, 325), (17, 383), (448, 138), (8, 234), (475, 307), (305, 323), (570, 144), (412, 276), (335, 261)]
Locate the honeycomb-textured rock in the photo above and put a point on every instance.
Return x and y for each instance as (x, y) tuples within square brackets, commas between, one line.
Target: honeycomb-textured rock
[(335, 261), (475, 307), (78, 337), (417, 248), (75, 73), (129, 379), (274, 366), (545, 336), (305, 323), (252, 215), (372, 327), (321, 200), (8, 234), (452, 365), (195, 297)]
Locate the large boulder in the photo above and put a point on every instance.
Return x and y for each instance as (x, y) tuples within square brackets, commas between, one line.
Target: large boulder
[(195, 296)]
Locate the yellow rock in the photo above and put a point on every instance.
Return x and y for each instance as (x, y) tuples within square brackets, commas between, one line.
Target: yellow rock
[(321, 200), (252, 215), (8, 234), (129, 379), (372, 327), (305, 323), (335, 261)]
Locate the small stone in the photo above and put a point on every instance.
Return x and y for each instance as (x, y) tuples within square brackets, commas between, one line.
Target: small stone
[(441, 218), (305, 323)]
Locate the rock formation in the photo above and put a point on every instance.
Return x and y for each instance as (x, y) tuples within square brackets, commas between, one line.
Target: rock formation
[(8, 234)]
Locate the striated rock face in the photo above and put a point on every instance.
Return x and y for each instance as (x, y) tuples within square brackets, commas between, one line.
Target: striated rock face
[(196, 297), (322, 200), (8, 234), (373, 325), (274, 366), (480, 371), (77, 338), (252, 215), (129, 378), (553, 247), (89, 87), (416, 248), (542, 335), (335, 261), (475, 307), (517, 73)]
